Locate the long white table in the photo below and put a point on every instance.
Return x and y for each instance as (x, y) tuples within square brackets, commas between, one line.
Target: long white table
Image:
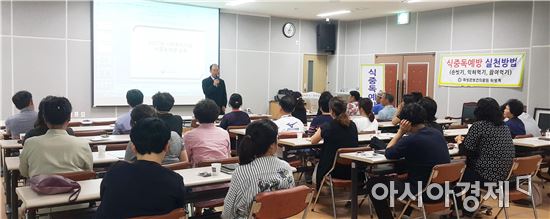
[(12, 175), (238, 131), (305, 142), (380, 125), (89, 192), (92, 140), (388, 124), (118, 154), (90, 121), (111, 139), (90, 189), (6, 145), (10, 144), (371, 158), (12, 163), (455, 132), (533, 142), (108, 128)]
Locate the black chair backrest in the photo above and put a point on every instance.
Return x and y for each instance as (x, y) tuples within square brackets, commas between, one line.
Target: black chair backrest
[(468, 116), (542, 118)]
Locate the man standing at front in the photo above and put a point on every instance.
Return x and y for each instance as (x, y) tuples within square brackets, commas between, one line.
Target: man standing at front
[(214, 88)]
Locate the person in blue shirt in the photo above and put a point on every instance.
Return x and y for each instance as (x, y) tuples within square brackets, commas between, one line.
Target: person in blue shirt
[(512, 109), (378, 106), (24, 121), (134, 97), (389, 110)]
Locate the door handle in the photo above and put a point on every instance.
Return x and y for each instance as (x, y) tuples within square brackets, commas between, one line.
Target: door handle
[(403, 86), (397, 91)]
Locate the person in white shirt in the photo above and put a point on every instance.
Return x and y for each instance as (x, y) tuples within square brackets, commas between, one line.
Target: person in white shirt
[(366, 121), (287, 122), (531, 126)]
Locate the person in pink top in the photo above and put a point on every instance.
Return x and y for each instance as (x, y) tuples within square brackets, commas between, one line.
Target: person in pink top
[(206, 142)]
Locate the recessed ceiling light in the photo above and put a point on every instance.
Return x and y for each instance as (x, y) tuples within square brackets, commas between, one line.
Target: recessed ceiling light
[(238, 2), (403, 18), (334, 13), (413, 1)]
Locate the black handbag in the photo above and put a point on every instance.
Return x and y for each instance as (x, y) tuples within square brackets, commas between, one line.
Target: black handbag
[(377, 144)]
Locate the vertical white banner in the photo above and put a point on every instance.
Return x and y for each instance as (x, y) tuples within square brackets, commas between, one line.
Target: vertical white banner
[(371, 80)]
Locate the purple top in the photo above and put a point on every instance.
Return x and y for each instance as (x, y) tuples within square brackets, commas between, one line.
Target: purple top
[(234, 118), (122, 124), (317, 122)]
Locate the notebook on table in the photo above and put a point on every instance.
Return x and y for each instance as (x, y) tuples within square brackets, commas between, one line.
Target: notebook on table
[(229, 168)]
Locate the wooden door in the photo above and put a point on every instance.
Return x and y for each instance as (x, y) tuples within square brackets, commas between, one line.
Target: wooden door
[(418, 73), (315, 73), (406, 73), (392, 74)]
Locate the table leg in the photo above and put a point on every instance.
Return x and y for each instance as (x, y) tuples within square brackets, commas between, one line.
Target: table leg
[(2, 154), (31, 213), (354, 185), (13, 198), (7, 182)]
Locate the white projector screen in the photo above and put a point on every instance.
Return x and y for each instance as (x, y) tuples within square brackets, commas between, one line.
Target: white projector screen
[(152, 46)]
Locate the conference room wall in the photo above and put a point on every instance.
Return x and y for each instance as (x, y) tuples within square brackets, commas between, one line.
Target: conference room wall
[(47, 50), (257, 59), (500, 27)]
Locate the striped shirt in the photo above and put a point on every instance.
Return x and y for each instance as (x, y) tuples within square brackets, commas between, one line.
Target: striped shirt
[(264, 174)]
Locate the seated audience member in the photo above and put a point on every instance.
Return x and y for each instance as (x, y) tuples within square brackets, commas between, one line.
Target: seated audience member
[(422, 148), (236, 117), (259, 171), (23, 121), (512, 110), (324, 117), (378, 106), (531, 126), (175, 152), (134, 97), (287, 122), (300, 111), (341, 132), (387, 113), (40, 127), (430, 106), (206, 142), (143, 187), (366, 121), (407, 98), (56, 151), (163, 103), (353, 103), (488, 147), (416, 96)]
